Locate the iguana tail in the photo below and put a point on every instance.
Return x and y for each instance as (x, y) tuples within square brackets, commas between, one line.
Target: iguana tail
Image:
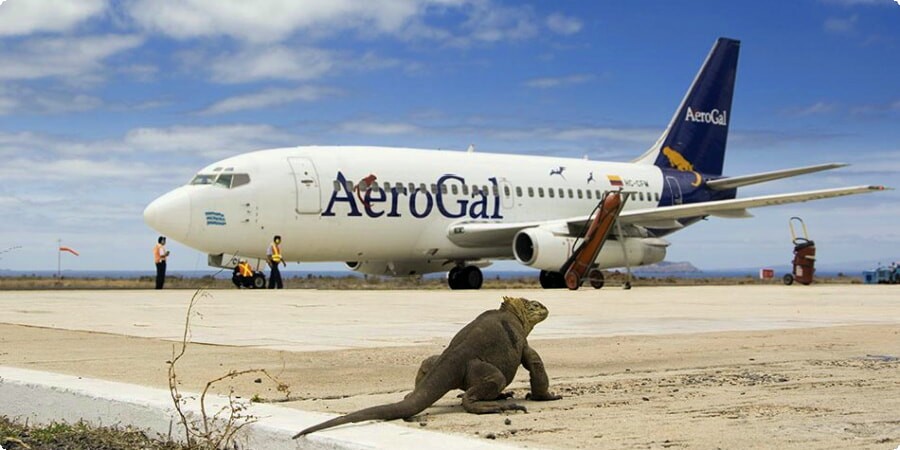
[(413, 404)]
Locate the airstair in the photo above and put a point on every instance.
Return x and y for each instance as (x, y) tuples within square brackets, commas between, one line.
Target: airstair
[(580, 266)]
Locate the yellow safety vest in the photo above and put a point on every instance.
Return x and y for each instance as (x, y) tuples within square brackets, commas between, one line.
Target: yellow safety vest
[(245, 270), (276, 253)]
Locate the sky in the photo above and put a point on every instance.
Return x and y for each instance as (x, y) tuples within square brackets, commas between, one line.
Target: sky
[(106, 105)]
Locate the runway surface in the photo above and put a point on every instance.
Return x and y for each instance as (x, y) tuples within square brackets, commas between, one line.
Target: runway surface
[(724, 366), (308, 320)]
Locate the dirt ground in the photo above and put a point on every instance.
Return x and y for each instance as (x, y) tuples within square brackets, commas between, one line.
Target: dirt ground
[(831, 387)]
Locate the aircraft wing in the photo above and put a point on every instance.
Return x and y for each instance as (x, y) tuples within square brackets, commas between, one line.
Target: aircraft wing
[(493, 234)]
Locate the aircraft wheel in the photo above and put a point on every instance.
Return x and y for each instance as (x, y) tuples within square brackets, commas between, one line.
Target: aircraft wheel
[(572, 281), (595, 278), (552, 280), (471, 277), (788, 279), (259, 281), (453, 278)]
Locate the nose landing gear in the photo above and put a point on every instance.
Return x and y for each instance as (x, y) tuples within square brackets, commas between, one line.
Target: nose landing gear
[(465, 277)]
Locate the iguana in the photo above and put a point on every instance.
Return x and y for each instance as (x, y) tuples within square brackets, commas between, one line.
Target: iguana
[(482, 359)]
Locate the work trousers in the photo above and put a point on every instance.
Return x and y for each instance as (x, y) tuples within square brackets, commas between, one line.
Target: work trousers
[(160, 274), (275, 277)]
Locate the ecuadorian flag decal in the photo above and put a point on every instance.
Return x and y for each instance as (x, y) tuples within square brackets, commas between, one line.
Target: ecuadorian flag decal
[(615, 180), (215, 218)]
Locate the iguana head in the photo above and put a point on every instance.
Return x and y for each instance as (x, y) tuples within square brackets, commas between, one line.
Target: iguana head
[(529, 312)]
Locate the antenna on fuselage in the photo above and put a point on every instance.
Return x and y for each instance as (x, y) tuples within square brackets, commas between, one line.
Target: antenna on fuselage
[(471, 148)]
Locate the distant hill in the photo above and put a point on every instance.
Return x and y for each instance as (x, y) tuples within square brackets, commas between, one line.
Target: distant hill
[(668, 267)]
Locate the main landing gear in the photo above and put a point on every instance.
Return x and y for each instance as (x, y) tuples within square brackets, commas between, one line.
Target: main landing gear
[(465, 277), (556, 280)]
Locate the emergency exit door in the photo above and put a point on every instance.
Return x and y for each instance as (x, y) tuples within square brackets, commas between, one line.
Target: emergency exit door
[(306, 181)]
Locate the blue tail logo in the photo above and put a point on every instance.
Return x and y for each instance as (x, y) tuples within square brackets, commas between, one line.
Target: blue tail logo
[(696, 136)]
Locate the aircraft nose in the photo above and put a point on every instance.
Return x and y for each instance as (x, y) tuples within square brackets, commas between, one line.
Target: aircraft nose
[(170, 215)]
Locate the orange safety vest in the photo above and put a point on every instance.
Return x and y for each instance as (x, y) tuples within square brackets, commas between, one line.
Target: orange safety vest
[(158, 255), (276, 253), (245, 270)]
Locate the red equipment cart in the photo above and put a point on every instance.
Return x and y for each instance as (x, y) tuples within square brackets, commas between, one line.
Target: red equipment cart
[(804, 256)]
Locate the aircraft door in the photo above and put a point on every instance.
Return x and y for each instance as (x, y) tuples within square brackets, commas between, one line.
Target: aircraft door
[(674, 190), (306, 182)]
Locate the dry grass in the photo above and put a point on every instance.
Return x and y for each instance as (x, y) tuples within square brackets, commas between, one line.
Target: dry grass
[(78, 436), (613, 280)]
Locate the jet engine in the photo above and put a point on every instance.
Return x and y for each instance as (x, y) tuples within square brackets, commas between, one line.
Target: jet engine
[(398, 268), (542, 249)]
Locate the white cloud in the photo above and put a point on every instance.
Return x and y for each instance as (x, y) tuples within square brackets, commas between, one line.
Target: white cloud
[(23, 17), (378, 128), (269, 98), (492, 23), (72, 58), (820, 107), (207, 141), (73, 169), (552, 82), (266, 21), (841, 26), (271, 63), (562, 24), (30, 101)]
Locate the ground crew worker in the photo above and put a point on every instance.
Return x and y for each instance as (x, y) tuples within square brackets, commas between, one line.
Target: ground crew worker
[(160, 254), (243, 274), (273, 256)]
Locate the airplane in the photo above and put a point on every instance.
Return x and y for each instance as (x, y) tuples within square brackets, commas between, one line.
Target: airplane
[(402, 211)]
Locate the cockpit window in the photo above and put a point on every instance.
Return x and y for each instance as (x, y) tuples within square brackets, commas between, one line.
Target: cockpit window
[(203, 178), (224, 181), (239, 179)]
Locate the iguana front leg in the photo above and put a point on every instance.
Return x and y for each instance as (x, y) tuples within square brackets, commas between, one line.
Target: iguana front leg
[(540, 383)]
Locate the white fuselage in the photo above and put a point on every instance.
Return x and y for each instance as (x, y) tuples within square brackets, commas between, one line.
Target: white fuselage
[(295, 193)]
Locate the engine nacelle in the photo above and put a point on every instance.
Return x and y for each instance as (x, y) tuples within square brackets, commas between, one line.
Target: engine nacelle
[(397, 269), (541, 249)]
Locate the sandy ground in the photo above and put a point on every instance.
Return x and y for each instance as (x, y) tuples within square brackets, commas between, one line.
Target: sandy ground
[(832, 385)]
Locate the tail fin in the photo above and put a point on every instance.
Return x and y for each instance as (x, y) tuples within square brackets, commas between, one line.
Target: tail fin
[(695, 138)]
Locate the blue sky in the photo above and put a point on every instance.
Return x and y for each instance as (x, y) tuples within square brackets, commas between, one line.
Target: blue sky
[(105, 105)]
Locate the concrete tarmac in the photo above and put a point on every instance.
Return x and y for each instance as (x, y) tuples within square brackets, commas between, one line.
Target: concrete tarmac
[(708, 366), (310, 320)]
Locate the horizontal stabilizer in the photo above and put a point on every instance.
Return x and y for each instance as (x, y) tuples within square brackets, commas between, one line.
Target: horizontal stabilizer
[(737, 206), (746, 180)]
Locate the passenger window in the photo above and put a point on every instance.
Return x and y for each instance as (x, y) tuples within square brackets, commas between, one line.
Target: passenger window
[(239, 179), (465, 189), (337, 185), (531, 192), (224, 181), (551, 192), (444, 189), (454, 189), (657, 196), (412, 188), (519, 191), (541, 192), (506, 191), (562, 193), (588, 193), (433, 188), (484, 189), (570, 194), (599, 196), (641, 196), (580, 194), (422, 187)]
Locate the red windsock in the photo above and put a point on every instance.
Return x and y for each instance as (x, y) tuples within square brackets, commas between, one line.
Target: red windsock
[(67, 249)]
